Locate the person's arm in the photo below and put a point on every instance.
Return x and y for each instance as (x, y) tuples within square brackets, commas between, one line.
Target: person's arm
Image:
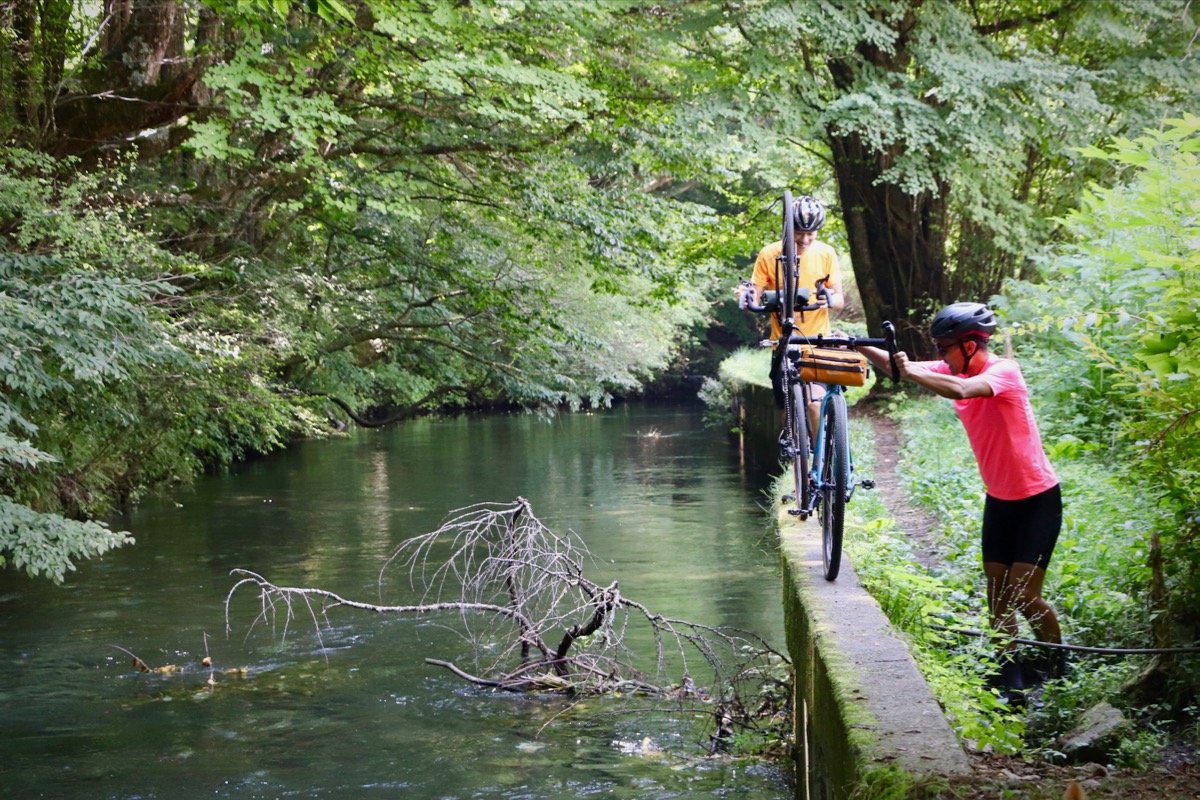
[(952, 387), (877, 357)]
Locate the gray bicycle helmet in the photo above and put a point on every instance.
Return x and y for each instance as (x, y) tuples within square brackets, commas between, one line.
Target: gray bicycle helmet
[(808, 213), (962, 319)]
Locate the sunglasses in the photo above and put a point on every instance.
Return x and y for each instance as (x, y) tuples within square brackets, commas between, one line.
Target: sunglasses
[(941, 348)]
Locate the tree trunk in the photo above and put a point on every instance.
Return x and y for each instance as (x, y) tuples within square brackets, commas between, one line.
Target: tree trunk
[(897, 242), (24, 106), (144, 80)]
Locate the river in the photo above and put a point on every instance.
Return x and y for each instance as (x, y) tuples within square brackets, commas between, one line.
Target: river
[(351, 710)]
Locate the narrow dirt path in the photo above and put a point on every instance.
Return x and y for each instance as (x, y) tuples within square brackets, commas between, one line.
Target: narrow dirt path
[(918, 525)]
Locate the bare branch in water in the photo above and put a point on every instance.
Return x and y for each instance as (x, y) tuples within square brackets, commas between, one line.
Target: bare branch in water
[(516, 586)]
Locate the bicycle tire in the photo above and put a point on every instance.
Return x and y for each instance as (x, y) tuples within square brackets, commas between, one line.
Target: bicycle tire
[(799, 430), (835, 475), (788, 284)]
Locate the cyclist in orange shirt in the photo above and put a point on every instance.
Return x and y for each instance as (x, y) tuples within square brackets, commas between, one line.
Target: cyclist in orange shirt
[(817, 260)]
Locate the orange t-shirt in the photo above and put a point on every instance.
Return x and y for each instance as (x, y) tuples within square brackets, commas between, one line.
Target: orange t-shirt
[(816, 262)]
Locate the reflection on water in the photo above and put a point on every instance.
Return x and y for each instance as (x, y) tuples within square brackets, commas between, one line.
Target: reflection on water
[(352, 710)]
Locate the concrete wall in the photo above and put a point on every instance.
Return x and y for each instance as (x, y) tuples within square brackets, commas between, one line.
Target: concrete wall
[(861, 705)]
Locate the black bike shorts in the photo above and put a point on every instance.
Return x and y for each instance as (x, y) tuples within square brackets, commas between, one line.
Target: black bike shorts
[(1022, 531)]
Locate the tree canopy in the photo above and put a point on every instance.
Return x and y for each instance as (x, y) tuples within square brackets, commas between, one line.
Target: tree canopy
[(944, 130), (227, 223)]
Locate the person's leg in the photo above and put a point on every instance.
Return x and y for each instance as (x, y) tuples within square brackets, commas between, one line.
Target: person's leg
[(1046, 662), (1002, 612), (1002, 609), (816, 391), (1018, 539), (1025, 583), (1039, 529), (1001, 602)]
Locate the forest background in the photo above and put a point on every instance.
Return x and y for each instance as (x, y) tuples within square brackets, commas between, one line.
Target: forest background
[(231, 225)]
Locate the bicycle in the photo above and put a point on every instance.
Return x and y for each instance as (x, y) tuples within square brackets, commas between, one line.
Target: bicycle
[(825, 487)]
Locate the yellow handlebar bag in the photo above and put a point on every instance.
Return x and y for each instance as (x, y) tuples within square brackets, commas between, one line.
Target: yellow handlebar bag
[(832, 365)]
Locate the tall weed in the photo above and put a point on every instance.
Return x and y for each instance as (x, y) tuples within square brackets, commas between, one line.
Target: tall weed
[(1112, 346)]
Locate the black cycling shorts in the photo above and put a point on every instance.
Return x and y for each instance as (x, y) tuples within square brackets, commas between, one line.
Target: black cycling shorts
[(1022, 531)]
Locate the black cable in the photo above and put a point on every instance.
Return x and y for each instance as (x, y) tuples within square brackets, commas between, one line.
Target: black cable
[(1124, 651)]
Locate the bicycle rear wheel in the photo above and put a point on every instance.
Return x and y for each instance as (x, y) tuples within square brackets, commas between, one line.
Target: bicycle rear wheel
[(835, 475), (799, 421)]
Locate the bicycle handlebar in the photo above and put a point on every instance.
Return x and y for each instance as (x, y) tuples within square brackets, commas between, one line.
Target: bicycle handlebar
[(887, 341), (773, 304), (889, 333)]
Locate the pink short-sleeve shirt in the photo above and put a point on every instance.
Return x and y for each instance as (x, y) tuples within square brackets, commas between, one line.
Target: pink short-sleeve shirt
[(1003, 433)]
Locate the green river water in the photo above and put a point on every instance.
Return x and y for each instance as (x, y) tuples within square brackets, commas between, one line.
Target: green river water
[(354, 712)]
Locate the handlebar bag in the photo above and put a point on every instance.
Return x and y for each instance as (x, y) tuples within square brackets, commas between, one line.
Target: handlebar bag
[(832, 365)]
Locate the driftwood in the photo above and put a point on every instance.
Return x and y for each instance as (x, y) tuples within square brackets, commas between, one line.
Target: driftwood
[(537, 622)]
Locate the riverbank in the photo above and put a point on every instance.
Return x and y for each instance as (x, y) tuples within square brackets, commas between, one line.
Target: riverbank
[(1170, 756)]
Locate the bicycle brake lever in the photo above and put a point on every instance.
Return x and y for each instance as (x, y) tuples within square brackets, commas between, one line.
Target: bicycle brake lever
[(889, 333), (744, 298)]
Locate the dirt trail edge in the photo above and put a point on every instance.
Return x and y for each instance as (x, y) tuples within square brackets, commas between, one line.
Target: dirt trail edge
[(919, 526)]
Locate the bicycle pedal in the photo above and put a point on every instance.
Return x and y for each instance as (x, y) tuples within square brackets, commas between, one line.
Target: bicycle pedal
[(867, 484), (795, 512), (788, 498)]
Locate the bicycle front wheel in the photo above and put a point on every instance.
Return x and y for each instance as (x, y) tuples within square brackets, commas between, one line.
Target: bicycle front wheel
[(799, 422), (835, 475)]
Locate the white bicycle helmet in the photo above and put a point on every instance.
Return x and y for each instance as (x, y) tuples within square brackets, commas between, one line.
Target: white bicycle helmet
[(808, 213)]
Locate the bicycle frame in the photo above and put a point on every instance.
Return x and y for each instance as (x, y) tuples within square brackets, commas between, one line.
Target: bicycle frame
[(818, 459)]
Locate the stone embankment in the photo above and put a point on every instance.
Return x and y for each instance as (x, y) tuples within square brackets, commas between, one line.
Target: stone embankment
[(861, 705)]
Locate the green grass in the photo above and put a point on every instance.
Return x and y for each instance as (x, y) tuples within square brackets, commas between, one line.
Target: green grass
[(747, 365)]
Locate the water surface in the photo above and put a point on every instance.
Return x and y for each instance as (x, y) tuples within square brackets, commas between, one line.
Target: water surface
[(666, 506)]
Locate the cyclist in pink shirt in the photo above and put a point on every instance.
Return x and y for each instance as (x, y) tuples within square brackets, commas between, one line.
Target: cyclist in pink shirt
[(1022, 511)]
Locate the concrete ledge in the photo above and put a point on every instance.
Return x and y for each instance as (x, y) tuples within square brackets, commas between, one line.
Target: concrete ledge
[(861, 705), (860, 702)]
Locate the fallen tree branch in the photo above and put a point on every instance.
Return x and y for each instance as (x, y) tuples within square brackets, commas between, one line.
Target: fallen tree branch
[(514, 585), (475, 679)]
